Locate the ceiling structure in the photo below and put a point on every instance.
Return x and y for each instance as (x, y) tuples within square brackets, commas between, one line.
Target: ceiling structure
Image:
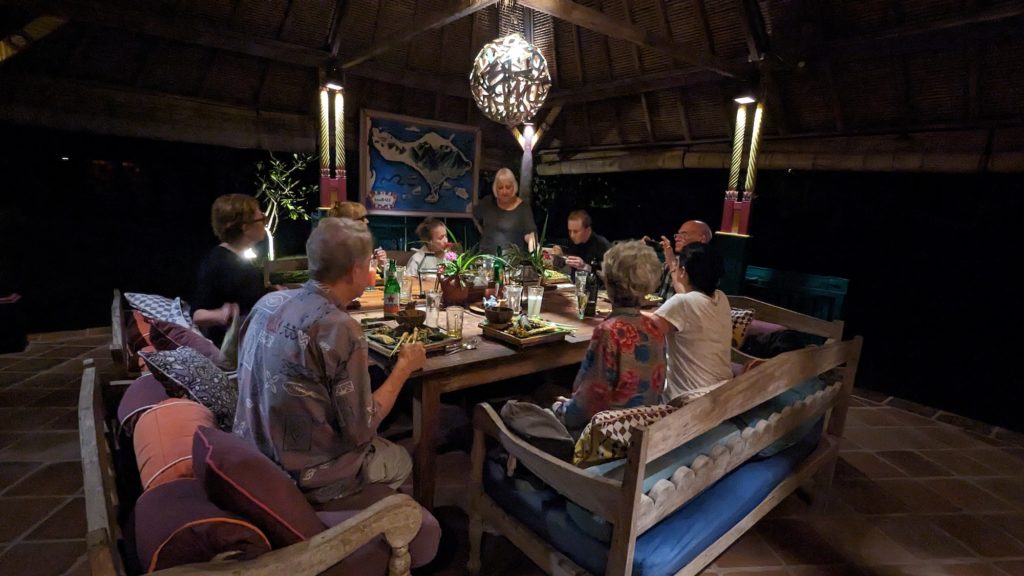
[(891, 85)]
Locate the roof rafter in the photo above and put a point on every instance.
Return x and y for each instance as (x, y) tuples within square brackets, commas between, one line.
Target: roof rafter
[(603, 24)]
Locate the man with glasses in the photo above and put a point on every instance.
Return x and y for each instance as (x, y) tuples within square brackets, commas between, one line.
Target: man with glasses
[(691, 231)]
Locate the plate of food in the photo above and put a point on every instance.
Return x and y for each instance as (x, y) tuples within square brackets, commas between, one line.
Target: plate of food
[(386, 337), (555, 277), (524, 332)]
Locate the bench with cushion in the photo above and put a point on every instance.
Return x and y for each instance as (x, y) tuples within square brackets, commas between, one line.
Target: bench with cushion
[(693, 482)]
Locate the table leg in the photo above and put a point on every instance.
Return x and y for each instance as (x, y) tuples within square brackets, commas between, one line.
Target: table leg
[(425, 409)]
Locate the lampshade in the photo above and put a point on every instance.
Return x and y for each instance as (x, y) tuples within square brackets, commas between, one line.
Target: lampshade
[(509, 80)]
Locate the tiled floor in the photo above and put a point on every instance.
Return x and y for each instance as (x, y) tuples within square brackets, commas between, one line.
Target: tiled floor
[(913, 494)]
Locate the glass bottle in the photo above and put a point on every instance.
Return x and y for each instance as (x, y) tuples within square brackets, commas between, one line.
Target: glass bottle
[(392, 292), (591, 309)]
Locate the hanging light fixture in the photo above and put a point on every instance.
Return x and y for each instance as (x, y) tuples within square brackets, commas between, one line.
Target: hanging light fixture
[(509, 80)]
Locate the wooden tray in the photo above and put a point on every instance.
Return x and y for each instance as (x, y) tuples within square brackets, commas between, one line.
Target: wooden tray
[(431, 347), (521, 342)]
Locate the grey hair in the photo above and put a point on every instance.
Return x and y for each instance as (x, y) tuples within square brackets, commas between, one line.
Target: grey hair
[(631, 271), (506, 173), (335, 246)]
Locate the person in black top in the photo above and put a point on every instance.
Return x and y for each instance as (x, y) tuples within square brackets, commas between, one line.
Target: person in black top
[(585, 246), (504, 218), (227, 283)]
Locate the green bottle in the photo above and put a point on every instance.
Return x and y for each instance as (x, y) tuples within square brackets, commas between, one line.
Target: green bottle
[(392, 292)]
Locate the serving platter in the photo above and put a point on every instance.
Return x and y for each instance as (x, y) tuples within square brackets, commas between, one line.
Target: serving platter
[(383, 337)]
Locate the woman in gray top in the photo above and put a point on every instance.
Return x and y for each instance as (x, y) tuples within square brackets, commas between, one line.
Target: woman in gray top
[(504, 218)]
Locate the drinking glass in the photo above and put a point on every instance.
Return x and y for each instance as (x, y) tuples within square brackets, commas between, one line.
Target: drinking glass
[(514, 297), (486, 269), (453, 317), (433, 308), (534, 296), (405, 288), (581, 295)]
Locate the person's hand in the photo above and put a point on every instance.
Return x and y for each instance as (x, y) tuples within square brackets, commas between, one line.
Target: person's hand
[(278, 287), (575, 262), (381, 256), (666, 246), (411, 357), (227, 313), (556, 249)]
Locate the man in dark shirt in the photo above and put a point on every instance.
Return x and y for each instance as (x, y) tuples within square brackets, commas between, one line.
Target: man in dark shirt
[(585, 246)]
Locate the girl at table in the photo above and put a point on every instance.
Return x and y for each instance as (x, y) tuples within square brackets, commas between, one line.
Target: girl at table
[(625, 364)]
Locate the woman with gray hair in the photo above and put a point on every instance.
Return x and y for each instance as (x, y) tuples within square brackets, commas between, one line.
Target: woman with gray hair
[(625, 364), (504, 218)]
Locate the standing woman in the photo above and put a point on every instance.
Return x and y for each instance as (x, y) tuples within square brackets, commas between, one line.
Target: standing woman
[(227, 282), (504, 218)]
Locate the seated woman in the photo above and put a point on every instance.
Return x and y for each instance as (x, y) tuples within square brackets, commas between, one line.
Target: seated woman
[(698, 325), (228, 283), (434, 235), (625, 364), (356, 211)]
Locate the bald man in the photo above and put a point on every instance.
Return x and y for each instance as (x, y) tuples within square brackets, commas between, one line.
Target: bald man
[(691, 231)]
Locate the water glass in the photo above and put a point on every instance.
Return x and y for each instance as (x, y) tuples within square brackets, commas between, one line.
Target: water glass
[(405, 288), (581, 294), (453, 317), (514, 297), (433, 308), (534, 296)]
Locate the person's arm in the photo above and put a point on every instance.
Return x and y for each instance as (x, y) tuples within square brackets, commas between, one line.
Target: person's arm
[(531, 241), (410, 359), (529, 226), (204, 317)]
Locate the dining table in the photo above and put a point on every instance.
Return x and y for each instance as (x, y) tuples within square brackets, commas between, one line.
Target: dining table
[(490, 361)]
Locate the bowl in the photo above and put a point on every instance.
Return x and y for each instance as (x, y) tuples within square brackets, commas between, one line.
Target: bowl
[(411, 318), (498, 315)]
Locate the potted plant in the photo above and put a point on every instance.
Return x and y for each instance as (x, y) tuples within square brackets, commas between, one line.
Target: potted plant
[(279, 184), (530, 263)]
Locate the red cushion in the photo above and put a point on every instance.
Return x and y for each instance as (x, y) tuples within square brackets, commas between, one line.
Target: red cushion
[(237, 477), (176, 524), (144, 393), (163, 440)]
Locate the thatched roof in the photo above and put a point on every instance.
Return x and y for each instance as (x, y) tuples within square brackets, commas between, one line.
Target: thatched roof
[(868, 85)]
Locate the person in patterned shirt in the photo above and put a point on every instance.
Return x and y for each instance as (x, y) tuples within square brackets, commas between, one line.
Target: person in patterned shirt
[(625, 364)]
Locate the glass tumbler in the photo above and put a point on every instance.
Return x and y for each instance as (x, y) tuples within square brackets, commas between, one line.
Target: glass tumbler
[(433, 309), (534, 297), (453, 317)]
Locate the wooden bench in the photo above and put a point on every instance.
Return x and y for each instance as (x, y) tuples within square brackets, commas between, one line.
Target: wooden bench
[(624, 505), (397, 517)]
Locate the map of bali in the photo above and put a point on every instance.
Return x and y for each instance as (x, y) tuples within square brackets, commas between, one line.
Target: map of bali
[(419, 169)]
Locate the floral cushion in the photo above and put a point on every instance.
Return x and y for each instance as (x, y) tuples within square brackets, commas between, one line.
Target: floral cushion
[(160, 307), (607, 435), (741, 319), (187, 373)]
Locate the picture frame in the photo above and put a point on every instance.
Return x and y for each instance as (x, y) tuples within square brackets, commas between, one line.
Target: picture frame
[(417, 167)]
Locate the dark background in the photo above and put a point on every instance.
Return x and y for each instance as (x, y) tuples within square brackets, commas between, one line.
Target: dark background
[(931, 258)]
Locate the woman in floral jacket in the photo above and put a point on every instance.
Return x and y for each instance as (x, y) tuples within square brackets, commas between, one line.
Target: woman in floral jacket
[(625, 364)]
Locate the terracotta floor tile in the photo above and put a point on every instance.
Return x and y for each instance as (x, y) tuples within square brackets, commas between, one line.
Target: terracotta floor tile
[(983, 537), (871, 466), (8, 438), (8, 361), (871, 417), (19, 397), (922, 538), (66, 398), (41, 558), (833, 570), (966, 495), (876, 438), (847, 445), (954, 437), (797, 542), (749, 551), (80, 567), (755, 572), (916, 497), (66, 352), (1012, 568), (27, 419), (57, 479), (20, 514), (908, 418), (68, 421), (11, 472), (915, 465), (52, 380), (1000, 460), (1012, 524), (958, 462), (1009, 489), (43, 447), (67, 523), (10, 378), (859, 540), (974, 568), (36, 364), (868, 497)]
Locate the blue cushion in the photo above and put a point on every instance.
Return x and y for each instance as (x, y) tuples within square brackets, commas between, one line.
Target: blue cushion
[(676, 540), (777, 404)]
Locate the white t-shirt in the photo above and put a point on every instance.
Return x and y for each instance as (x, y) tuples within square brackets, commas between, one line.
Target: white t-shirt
[(421, 261), (699, 352)]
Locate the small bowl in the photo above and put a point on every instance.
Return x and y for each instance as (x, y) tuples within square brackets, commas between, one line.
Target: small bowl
[(411, 318), (498, 315)]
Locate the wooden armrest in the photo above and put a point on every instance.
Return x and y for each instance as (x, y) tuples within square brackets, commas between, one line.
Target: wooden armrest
[(397, 517)]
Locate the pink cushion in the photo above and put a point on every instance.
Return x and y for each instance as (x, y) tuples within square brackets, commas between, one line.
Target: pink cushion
[(176, 524), (372, 558), (163, 440), (758, 327), (144, 393), (239, 478)]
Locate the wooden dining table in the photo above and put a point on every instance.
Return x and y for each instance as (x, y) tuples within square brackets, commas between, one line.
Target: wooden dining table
[(490, 361)]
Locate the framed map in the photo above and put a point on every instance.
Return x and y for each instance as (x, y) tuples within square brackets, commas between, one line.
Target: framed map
[(416, 167)]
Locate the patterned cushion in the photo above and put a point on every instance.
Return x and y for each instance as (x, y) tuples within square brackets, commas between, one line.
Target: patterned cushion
[(607, 435), (163, 440), (741, 319), (185, 372), (160, 307), (170, 336), (176, 524)]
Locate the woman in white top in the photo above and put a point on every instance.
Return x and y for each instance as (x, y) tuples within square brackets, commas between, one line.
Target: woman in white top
[(698, 325), (434, 235)]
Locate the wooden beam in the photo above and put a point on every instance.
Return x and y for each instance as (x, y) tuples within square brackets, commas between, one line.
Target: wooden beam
[(19, 40), (683, 119), (602, 23), (454, 12), (647, 117), (104, 109), (448, 85), (629, 86), (614, 103), (701, 12), (335, 36), (747, 22), (837, 105)]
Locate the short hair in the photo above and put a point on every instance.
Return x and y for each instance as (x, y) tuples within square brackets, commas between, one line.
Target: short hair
[(704, 266), (502, 174), (426, 227), (350, 210), (582, 216), (229, 213), (335, 246), (631, 271)]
